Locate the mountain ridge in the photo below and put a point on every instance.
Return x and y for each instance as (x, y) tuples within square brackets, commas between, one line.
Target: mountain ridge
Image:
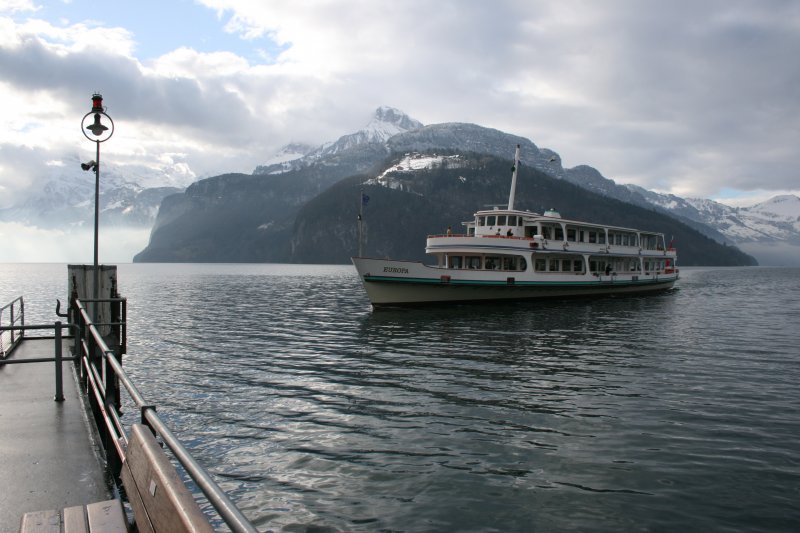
[(258, 214), (424, 193), (770, 229), (133, 197)]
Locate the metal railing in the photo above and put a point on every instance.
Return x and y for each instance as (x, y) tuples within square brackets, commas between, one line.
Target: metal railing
[(16, 314), (100, 369), (57, 351), (100, 372)]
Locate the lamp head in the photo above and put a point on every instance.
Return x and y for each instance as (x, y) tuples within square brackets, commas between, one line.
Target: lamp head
[(91, 165), (97, 129)]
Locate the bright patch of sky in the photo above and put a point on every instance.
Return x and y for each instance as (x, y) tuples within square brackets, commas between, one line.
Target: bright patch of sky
[(741, 198), (160, 27)]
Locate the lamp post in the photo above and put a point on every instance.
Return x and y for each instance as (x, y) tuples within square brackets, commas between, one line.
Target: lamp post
[(100, 133)]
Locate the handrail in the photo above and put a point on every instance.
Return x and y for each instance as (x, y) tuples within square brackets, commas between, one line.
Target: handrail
[(58, 358), (18, 317), (95, 350)]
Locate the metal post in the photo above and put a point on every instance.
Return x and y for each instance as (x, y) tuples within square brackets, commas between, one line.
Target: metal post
[(59, 385), (77, 328), (115, 328), (77, 347), (12, 323), (96, 291), (100, 133), (360, 220), (113, 461)]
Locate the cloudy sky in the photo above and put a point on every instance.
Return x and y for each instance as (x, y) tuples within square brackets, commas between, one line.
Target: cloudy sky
[(700, 99)]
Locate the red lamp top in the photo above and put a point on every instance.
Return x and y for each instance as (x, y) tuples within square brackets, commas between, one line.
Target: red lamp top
[(97, 103)]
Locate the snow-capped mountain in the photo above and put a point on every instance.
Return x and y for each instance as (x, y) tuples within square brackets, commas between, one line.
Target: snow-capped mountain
[(391, 130), (385, 123), (785, 205), (777, 219), (769, 230), (129, 196), (290, 152)]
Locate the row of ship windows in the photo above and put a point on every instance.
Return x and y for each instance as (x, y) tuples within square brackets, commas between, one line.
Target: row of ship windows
[(617, 238), (518, 263), (500, 220), (490, 262), (595, 266), (556, 232)]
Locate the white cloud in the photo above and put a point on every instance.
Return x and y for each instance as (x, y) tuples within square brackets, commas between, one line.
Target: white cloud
[(66, 39), (187, 63), (17, 6), (679, 97)]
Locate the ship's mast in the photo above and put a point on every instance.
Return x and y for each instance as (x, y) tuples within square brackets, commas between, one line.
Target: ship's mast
[(513, 180), (360, 220)]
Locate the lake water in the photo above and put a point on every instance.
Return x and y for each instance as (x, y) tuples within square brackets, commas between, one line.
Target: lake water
[(670, 412)]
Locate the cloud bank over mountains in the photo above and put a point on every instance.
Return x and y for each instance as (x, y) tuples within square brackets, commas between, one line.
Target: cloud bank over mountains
[(696, 100)]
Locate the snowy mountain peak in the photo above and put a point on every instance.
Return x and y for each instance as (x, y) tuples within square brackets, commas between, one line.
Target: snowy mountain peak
[(787, 205), (289, 153), (389, 121), (386, 122)]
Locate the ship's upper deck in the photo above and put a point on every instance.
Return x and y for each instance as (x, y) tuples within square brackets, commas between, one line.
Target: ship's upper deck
[(551, 227)]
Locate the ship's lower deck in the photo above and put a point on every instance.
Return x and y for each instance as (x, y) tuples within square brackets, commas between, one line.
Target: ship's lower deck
[(405, 283)]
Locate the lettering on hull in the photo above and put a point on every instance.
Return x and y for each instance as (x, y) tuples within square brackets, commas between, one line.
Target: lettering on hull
[(395, 270)]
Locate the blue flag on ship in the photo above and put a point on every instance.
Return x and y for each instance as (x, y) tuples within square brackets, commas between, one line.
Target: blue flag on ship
[(364, 199)]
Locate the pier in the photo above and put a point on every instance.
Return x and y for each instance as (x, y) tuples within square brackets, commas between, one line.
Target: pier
[(66, 456), (48, 457)]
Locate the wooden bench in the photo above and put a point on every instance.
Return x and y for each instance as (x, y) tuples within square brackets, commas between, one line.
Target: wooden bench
[(105, 516), (161, 502)]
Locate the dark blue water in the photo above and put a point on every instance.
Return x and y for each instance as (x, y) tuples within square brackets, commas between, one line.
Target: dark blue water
[(675, 412)]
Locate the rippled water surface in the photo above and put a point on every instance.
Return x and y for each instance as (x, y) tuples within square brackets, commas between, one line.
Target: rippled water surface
[(674, 412)]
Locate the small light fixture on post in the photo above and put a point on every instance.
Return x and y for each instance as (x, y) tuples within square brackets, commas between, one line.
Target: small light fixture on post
[(100, 133)]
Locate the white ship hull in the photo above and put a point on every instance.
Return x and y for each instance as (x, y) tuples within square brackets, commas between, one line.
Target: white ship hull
[(395, 283)]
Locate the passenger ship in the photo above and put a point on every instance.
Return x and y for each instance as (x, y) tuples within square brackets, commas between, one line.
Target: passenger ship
[(507, 254)]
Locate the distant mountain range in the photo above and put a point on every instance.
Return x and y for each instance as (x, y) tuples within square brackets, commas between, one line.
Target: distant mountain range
[(769, 230), (260, 216), (422, 178), (129, 197)]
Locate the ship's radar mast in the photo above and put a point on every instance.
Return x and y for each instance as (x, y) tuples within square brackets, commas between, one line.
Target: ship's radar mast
[(514, 170)]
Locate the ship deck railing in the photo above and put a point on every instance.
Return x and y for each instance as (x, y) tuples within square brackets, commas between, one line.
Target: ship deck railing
[(97, 350), (553, 242)]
